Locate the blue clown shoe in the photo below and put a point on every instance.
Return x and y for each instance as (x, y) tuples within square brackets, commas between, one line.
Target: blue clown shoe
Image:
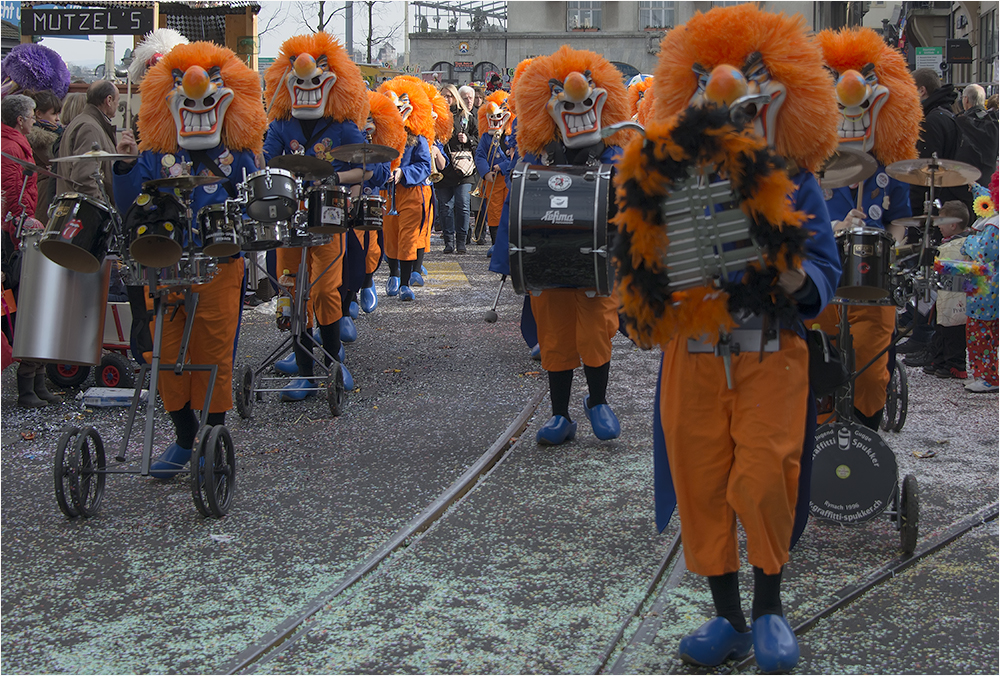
[(341, 354), (774, 645), (170, 463), (392, 286), (317, 336), (369, 299), (416, 279), (489, 254), (423, 271), (603, 420), (536, 353), (556, 431), (353, 309), (348, 378), (406, 293), (297, 390), (288, 365), (348, 331), (714, 642)]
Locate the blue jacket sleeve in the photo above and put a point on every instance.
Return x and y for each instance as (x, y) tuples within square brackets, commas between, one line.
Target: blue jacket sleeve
[(128, 185), (274, 142), (899, 202), (349, 134), (821, 261), (417, 171), (380, 175), (482, 153)]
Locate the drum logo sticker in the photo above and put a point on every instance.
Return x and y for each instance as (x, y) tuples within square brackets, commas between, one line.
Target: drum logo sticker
[(559, 201), (560, 182), (864, 268), (60, 211), (71, 229), (332, 215), (556, 217)]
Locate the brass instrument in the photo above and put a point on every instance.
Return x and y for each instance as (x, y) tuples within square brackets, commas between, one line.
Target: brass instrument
[(481, 217), (436, 176), (490, 155)]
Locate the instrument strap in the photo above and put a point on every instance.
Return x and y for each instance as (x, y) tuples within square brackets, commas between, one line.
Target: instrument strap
[(202, 158)]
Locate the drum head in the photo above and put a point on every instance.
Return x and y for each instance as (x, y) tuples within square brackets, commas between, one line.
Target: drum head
[(69, 256), (853, 475), (222, 249), (155, 250)]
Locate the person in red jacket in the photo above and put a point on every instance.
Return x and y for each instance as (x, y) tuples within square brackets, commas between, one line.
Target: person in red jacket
[(17, 114)]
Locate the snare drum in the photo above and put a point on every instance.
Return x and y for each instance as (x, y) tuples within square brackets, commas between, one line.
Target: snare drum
[(76, 236), (866, 257), (219, 227), (191, 269), (155, 226), (272, 195), (370, 211), (559, 228), (327, 208), (263, 236)]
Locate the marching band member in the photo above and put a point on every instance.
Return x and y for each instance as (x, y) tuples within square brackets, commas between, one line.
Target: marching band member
[(638, 87), (564, 100), (444, 128), (410, 192), (732, 429), (493, 157), (201, 114), (318, 101), (880, 114)]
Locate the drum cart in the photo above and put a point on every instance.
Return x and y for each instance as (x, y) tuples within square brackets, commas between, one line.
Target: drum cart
[(81, 466)]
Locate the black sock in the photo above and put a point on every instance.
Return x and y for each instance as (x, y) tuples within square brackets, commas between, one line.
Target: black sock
[(872, 422), (216, 418), (597, 383), (560, 385), (368, 279), (186, 425), (726, 596), (493, 233), (420, 260), (303, 356), (766, 594), (393, 267), (405, 268), (330, 333)]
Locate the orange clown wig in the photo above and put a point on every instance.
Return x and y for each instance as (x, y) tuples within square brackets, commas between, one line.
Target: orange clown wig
[(493, 104), (347, 101), (419, 122), (897, 124), (805, 130), (244, 121), (645, 106), (535, 127), (637, 92), (518, 72), (389, 130)]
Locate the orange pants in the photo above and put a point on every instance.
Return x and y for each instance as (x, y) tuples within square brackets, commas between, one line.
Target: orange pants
[(573, 327), (871, 332), (325, 294), (496, 192), (213, 341), (404, 233), (373, 253), (429, 221), (735, 452)]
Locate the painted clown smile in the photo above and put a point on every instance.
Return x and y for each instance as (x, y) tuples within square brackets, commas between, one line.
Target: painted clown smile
[(310, 98), (575, 105), (195, 122), (582, 123)]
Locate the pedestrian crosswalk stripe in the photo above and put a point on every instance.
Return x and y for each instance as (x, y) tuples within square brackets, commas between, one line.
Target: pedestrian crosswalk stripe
[(446, 275)]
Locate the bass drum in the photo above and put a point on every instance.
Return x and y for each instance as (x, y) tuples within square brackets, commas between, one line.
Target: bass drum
[(853, 475), (559, 228), (76, 236)]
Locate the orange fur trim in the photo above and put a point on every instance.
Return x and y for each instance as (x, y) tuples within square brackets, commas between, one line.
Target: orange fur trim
[(244, 123), (347, 99), (518, 72), (498, 97), (389, 130), (639, 88), (420, 121), (808, 119), (536, 128), (897, 127)]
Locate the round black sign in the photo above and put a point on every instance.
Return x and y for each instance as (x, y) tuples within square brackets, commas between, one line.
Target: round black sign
[(853, 474)]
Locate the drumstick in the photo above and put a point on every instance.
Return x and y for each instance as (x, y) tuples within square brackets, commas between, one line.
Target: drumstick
[(861, 194)]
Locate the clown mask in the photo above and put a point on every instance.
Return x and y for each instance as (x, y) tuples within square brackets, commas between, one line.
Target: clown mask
[(496, 117), (309, 83), (402, 104), (860, 97), (198, 104), (727, 84), (575, 105)]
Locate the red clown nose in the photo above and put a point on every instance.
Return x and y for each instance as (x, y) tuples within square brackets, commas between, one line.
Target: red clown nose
[(195, 82)]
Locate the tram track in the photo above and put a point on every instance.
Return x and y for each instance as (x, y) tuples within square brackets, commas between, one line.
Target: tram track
[(296, 626)]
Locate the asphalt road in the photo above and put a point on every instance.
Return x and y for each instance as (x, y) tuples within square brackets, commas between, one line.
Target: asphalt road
[(534, 570)]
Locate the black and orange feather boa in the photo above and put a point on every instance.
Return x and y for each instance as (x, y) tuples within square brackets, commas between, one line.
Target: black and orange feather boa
[(760, 182)]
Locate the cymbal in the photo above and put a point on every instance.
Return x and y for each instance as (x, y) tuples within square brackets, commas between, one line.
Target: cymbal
[(95, 155), (364, 153), (307, 167), (41, 171), (918, 221), (947, 173), (846, 167), (182, 182)]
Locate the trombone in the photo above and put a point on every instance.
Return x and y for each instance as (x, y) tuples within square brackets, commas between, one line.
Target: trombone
[(481, 218)]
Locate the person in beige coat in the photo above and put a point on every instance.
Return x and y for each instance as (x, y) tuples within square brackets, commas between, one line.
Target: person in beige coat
[(93, 125)]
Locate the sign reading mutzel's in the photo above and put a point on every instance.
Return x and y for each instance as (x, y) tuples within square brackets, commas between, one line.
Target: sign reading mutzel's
[(87, 21)]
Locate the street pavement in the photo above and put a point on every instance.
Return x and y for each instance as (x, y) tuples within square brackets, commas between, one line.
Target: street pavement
[(536, 569)]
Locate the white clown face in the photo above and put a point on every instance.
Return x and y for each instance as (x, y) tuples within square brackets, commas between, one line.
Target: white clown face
[(860, 97), (309, 83), (198, 104), (726, 83), (575, 105), (496, 118), (369, 127), (402, 104)]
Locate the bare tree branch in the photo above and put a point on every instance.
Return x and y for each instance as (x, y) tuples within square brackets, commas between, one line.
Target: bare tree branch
[(276, 19), (316, 16)]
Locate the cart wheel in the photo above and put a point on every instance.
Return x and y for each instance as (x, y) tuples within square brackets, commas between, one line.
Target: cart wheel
[(909, 514), (67, 375), (220, 470), (87, 477), (63, 472), (115, 371), (336, 393), (198, 471), (903, 397), (243, 391)]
